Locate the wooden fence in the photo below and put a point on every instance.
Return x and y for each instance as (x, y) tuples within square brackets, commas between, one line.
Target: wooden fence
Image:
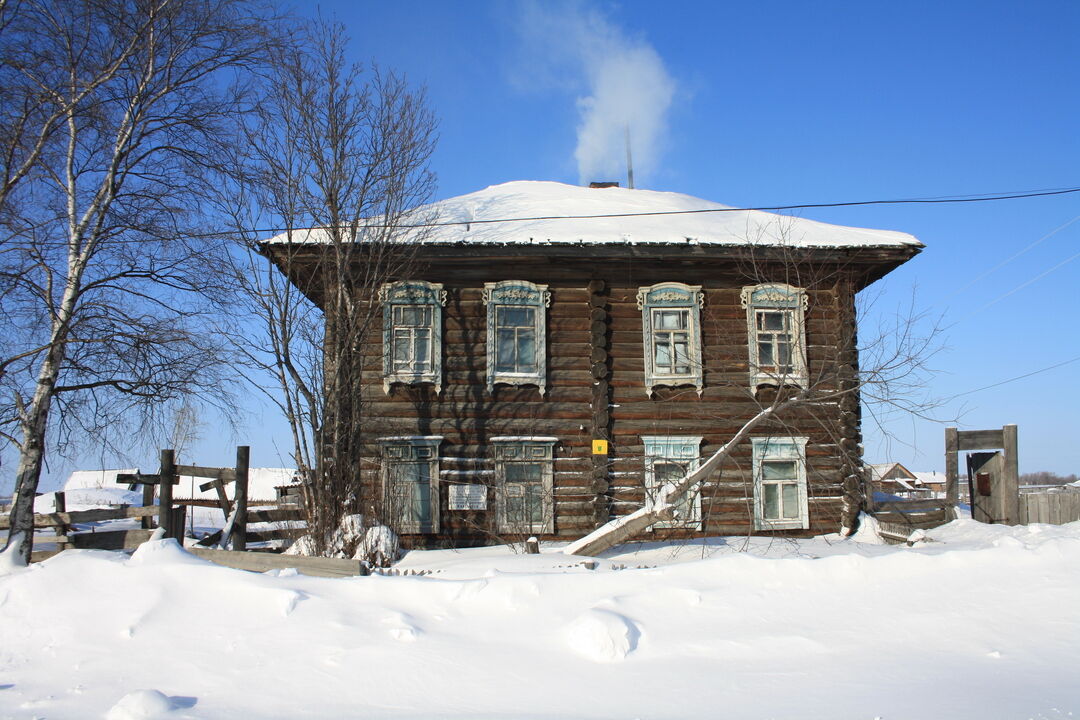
[(1054, 507), (66, 535), (898, 519)]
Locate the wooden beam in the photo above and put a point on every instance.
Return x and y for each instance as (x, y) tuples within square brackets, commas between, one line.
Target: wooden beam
[(226, 475), (290, 514), (140, 479), (261, 562), (49, 520), (980, 440), (111, 540)]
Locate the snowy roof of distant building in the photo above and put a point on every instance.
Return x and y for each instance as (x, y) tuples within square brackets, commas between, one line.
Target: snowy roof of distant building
[(541, 213), (261, 483)]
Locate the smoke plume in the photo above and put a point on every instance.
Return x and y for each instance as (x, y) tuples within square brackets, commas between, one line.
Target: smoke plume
[(621, 82)]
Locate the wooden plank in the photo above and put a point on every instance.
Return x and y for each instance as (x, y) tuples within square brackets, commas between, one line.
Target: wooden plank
[(980, 440), (261, 562), (138, 479), (279, 534), (912, 505), (50, 520), (110, 540), (227, 475), (291, 514)]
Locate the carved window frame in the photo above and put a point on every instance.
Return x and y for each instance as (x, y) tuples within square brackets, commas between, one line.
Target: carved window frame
[(672, 296), (681, 450), (517, 453), (418, 453), (780, 449), (404, 294), (792, 303), (517, 294)]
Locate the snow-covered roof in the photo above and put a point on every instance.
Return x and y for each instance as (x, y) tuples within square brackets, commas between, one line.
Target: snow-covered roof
[(533, 212), (261, 483)]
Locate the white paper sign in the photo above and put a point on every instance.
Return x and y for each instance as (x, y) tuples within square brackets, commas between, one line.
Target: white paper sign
[(468, 497)]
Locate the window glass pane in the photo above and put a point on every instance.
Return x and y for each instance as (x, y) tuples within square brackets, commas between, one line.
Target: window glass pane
[(670, 319), (534, 498), (509, 316), (505, 350), (771, 320), (682, 354), (665, 472), (771, 501), (526, 350), (765, 353), (663, 354), (779, 470), (402, 341), (412, 315), (791, 500), (783, 347), (423, 348)]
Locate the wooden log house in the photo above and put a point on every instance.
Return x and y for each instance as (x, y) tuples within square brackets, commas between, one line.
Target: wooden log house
[(556, 353)]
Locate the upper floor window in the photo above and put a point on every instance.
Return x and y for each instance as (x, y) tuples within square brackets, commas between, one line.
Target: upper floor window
[(524, 472), (671, 334), (780, 490), (668, 459), (412, 333), (516, 335), (776, 331), (410, 476)]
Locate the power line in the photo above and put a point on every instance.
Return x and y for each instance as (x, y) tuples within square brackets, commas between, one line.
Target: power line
[(1018, 377), (948, 199)]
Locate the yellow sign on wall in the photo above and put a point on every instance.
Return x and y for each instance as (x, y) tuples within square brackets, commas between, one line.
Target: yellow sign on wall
[(599, 447)]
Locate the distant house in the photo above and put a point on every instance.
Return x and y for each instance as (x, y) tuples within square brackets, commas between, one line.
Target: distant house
[(558, 353), (895, 479)]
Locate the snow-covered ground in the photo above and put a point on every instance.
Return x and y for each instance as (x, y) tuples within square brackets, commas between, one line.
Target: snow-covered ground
[(976, 622)]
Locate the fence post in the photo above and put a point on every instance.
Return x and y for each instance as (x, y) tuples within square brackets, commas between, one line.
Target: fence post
[(167, 475), (148, 491), (240, 498), (1010, 478), (952, 467), (62, 531)]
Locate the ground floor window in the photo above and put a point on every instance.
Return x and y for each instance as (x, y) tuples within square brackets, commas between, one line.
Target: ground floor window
[(524, 472), (780, 492), (668, 459), (410, 475)]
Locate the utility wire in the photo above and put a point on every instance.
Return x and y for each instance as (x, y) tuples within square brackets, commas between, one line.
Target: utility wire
[(1014, 379), (1008, 260), (984, 197)]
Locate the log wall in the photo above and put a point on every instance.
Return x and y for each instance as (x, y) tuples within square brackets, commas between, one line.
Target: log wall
[(595, 369)]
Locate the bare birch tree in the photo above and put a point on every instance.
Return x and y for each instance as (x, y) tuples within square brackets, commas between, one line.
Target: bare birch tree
[(344, 150), (114, 110)]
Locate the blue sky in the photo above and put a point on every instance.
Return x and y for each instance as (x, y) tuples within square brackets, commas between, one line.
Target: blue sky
[(770, 103)]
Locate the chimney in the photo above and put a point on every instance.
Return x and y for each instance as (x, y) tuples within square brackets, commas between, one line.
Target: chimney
[(605, 184)]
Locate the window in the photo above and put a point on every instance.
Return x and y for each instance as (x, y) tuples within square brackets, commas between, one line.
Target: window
[(516, 321), (410, 471), (668, 459), (524, 500), (671, 334), (776, 333), (412, 333), (780, 495)]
